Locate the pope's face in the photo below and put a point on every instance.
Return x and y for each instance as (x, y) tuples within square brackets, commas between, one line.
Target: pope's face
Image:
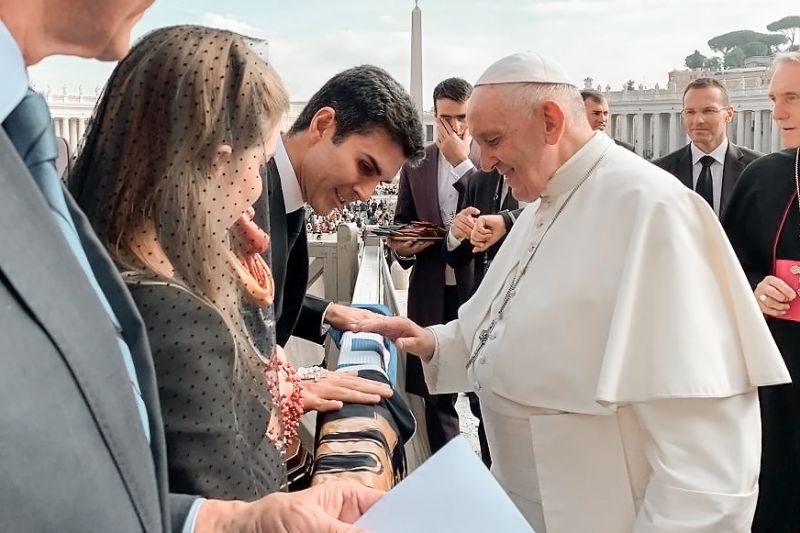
[(784, 91), (512, 140)]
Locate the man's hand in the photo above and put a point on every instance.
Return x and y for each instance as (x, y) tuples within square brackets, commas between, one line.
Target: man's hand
[(454, 148), (487, 231), (463, 222), (335, 388), (407, 248), (407, 335), (773, 296), (327, 508), (342, 317)]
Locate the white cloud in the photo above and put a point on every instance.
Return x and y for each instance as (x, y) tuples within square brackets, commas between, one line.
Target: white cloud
[(232, 23)]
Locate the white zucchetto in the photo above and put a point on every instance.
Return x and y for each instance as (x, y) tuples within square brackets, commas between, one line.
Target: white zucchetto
[(527, 67)]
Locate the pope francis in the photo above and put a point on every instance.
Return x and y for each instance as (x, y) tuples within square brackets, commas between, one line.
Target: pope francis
[(615, 343)]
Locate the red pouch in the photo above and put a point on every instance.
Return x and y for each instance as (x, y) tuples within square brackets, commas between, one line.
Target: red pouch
[(789, 271)]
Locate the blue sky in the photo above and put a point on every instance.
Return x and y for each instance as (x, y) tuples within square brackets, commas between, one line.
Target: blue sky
[(310, 40)]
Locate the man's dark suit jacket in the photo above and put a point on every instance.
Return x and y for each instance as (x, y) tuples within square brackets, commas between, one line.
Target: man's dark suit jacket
[(483, 192), (295, 312), (418, 199), (679, 164), (73, 455)]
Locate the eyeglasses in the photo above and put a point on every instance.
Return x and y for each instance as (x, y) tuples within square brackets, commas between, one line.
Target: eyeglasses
[(707, 112)]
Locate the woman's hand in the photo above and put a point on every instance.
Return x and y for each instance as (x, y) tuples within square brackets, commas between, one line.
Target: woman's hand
[(332, 389)]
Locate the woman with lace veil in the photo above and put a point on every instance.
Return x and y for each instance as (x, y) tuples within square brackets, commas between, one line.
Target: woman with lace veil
[(168, 172)]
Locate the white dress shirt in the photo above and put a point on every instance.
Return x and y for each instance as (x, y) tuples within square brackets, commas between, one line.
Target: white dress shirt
[(292, 195), (447, 176), (14, 81), (716, 169)]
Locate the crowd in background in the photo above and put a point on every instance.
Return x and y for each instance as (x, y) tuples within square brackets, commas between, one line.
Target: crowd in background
[(378, 211)]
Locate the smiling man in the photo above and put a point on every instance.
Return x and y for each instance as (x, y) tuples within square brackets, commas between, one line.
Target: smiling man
[(614, 343), (354, 133), (82, 444), (710, 164), (761, 221)]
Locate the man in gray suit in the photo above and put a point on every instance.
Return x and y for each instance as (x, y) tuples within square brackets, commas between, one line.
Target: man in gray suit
[(710, 164), (81, 444)]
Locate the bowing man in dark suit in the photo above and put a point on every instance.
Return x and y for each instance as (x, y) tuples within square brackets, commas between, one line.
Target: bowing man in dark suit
[(433, 192), (82, 444), (354, 133), (710, 164)]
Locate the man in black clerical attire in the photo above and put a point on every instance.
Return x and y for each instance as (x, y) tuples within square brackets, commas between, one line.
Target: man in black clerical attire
[(763, 223)]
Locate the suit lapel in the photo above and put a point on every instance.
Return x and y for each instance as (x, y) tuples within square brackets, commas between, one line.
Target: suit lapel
[(731, 171), (426, 188), (271, 216), (39, 264), (683, 167)]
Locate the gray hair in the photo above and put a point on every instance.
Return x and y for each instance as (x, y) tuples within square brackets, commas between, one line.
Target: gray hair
[(528, 95), (786, 57)]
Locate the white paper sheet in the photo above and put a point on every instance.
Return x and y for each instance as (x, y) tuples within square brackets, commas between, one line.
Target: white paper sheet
[(451, 491)]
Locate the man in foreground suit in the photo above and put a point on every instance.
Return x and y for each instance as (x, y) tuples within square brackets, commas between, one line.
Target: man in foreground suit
[(82, 445), (710, 164), (354, 133)]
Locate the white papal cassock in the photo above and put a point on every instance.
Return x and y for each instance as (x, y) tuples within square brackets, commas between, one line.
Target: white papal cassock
[(618, 386)]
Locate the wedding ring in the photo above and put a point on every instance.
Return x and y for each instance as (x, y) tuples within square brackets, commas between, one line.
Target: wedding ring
[(763, 297)]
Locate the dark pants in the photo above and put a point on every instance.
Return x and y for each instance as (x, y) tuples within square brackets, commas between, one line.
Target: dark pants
[(440, 409)]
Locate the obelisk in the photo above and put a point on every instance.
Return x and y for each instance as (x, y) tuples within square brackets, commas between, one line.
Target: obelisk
[(416, 56)]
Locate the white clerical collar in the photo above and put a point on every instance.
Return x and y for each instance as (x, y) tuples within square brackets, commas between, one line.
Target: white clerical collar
[(718, 153), (574, 170), (292, 195), (14, 83)]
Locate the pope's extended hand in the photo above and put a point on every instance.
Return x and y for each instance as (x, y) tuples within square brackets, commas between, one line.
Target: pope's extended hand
[(407, 335)]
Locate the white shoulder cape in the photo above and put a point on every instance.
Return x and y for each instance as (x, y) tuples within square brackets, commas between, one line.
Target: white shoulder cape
[(635, 294)]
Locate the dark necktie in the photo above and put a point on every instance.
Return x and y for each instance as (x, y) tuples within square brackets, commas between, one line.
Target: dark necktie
[(30, 129), (705, 185)]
